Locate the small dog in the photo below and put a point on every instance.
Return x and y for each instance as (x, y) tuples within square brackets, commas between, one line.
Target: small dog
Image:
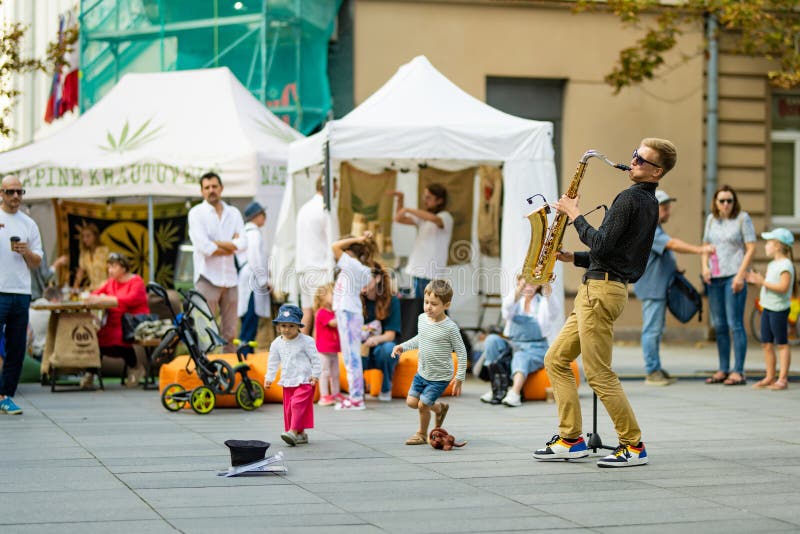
[(440, 439)]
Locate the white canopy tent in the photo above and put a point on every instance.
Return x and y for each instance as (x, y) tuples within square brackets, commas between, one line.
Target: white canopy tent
[(421, 117), (154, 135)]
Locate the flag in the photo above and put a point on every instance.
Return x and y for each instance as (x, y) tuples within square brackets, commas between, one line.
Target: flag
[(52, 111)]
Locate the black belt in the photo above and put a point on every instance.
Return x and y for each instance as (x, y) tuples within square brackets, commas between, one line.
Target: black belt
[(597, 275)]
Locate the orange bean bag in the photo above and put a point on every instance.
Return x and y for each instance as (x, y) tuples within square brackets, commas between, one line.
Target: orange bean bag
[(537, 382), (401, 381), (175, 372)]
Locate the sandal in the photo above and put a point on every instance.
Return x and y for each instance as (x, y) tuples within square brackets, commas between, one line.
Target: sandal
[(764, 383), (717, 378), (732, 381), (778, 385), (417, 439)]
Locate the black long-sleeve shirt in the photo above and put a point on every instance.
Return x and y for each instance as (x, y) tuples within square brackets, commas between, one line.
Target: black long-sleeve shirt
[(621, 245)]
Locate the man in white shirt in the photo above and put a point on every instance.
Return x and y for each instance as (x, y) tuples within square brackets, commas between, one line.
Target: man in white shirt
[(317, 229), (20, 251), (429, 256), (215, 229)]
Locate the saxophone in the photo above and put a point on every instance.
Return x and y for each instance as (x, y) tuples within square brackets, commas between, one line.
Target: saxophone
[(545, 243)]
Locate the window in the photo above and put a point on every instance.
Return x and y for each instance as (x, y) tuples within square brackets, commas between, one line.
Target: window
[(785, 155)]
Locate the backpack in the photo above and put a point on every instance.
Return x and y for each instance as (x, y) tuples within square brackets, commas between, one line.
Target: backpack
[(683, 300)]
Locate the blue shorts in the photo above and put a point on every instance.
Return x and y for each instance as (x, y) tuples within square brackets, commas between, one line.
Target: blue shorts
[(427, 391), (775, 326)]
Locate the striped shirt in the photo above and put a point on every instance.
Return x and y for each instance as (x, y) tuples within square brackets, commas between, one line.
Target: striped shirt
[(436, 343)]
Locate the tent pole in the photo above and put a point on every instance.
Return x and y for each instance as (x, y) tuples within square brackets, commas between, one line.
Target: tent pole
[(150, 240), (327, 184)]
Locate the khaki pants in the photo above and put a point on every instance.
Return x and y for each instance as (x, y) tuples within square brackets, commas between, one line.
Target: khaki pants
[(222, 300), (589, 331)]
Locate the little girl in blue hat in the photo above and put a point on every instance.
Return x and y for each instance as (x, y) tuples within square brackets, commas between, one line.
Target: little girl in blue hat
[(300, 364), (777, 289)]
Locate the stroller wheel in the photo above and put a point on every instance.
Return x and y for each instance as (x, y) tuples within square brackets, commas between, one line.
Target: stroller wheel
[(223, 378), (202, 400), (247, 400), (173, 397)]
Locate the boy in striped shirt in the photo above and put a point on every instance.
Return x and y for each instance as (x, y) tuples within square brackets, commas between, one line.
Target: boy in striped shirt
[(438, 337)]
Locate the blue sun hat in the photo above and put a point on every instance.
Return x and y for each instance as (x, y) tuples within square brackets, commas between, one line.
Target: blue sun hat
[(253, 209), (289, 313), (780, 234)]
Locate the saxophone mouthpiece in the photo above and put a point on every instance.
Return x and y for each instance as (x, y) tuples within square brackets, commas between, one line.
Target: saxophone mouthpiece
[(622, 167)]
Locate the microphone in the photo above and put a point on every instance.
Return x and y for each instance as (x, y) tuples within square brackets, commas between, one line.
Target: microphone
[(622, 167)]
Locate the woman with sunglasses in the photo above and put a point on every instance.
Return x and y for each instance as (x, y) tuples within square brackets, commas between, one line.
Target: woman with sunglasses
[(731, 232), (126, 292)]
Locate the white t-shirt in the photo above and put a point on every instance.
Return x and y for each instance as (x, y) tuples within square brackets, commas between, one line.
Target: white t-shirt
[(15, 277), (205, 227), (353, 277), (429, 256), (315, 234), (772, 300)]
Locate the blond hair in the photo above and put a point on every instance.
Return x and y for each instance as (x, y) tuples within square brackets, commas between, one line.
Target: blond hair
[(440, 288), (667, 153), (321, 292)]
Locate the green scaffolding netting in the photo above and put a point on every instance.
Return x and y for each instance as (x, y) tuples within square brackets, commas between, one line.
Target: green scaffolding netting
[(277, 48)]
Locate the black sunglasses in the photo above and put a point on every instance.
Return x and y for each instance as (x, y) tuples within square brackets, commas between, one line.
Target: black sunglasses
[(12, 192), (638, 160), (725, 200)]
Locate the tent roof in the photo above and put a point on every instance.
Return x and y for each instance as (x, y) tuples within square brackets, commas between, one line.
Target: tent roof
[(156, 134), (420, 114)]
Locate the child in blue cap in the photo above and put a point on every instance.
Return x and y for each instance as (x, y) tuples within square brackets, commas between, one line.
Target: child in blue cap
[(777, 288), (300, 364)]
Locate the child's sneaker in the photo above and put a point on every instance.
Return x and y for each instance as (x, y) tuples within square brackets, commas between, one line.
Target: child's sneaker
[(349, 405), (326, 400), (559, 448), (8, 406), (301, 438), (625, 456), (290, 438), (338, 397), (385, 396)]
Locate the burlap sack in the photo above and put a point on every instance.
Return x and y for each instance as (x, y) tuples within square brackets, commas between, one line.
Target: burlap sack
[(75, 341)]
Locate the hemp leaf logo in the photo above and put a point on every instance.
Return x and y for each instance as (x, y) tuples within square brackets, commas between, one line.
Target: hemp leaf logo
[(123, 142)]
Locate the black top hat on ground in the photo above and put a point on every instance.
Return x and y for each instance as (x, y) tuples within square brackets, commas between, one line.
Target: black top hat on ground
[(246, 451)]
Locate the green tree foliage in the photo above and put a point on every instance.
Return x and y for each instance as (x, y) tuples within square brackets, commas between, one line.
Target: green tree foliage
[(766, 28), (13, 63)]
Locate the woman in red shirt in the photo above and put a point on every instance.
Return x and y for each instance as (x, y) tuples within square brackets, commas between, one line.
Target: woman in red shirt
[(125, 291)]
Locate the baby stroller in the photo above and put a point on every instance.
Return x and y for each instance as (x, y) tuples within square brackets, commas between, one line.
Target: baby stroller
[(198, 331)]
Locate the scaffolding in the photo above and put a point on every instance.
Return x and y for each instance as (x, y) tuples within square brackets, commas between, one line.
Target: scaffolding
[(277, 48)]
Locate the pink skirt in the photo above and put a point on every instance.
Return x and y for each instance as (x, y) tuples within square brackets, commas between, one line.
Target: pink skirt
[(298, 407)]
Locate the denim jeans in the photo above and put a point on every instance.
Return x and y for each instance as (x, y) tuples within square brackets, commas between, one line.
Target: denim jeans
[(419, 286), (249, 325), (14, 317), (653, 314), (494, 347), (727, 310), (380, 357)]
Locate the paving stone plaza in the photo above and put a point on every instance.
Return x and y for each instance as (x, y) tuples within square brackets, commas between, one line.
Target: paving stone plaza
[(722, 459)]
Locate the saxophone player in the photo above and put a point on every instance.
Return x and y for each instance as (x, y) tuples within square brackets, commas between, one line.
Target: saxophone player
[(617, 255)]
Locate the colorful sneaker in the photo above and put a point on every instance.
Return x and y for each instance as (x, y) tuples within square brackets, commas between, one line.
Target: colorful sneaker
[(326, 400), (625, 456), (349, 405), (8, 406), (338, 397), (560, 449)]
